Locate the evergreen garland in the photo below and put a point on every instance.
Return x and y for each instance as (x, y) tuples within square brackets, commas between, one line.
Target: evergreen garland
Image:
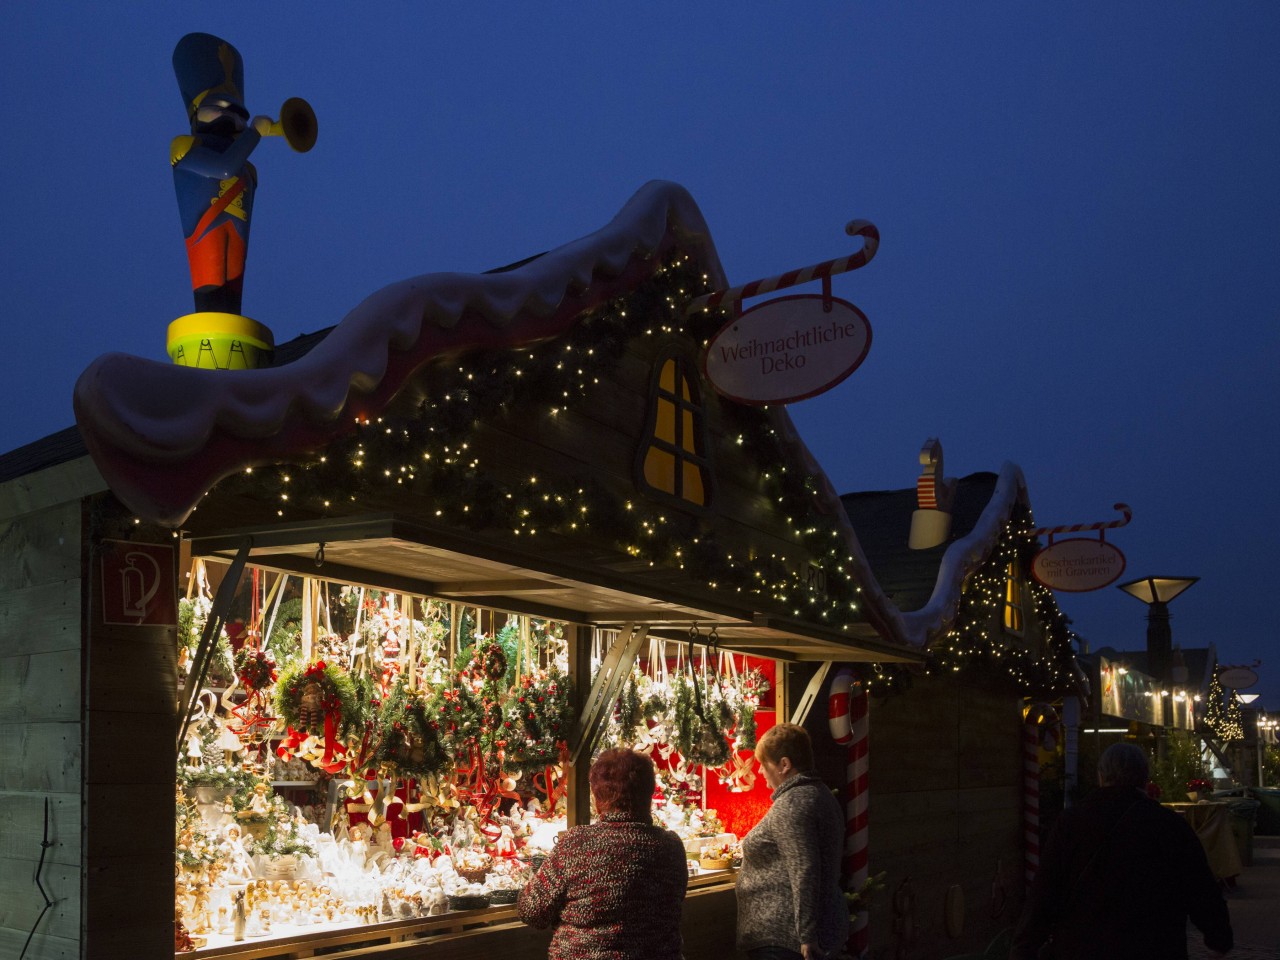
[(700, 736), (977, 643), (538, 720), (427, 453), (459, 714)]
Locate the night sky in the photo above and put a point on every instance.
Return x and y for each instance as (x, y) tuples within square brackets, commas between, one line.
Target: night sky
[(1079, 205)]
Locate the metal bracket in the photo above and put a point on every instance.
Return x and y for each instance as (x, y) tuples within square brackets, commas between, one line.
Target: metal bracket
[(608, 684), (209, 638), (801, 712)]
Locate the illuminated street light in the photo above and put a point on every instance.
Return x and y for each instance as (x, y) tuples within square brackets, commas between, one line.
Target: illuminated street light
[(1156, 592)]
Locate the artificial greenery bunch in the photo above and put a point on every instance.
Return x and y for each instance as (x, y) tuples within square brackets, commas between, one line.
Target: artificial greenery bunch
[(282, 839), (256, 802), (219, 776), (409, 737), (459, 714), (193, 612), (307, 695), (193, 847), (1180, 764), (285, 638), (256, 669), (538, 719), (642, 704), (743, 695), (701, 722)]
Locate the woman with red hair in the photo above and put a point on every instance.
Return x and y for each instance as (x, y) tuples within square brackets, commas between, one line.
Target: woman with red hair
[(614, 889)]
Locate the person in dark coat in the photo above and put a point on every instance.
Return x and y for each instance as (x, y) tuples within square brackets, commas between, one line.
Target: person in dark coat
[(1120, 877), (613, 889), (790, 903)]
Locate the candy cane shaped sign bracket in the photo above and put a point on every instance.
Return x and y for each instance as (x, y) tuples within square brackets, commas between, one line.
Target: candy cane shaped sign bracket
[(789, 348), (827, 268), (1101, 526), (1080, 564)]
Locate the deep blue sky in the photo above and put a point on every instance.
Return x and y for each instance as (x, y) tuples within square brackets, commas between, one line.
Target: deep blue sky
[(1079, 203)]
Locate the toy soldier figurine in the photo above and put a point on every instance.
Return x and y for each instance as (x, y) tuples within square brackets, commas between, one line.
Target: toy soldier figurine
[(211, 169), (215, 183)]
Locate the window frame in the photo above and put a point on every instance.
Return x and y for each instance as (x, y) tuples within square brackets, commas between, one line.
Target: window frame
[(685, 372)]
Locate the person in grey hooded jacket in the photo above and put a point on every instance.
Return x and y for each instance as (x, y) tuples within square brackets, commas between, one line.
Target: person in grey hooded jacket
[(790, 903)]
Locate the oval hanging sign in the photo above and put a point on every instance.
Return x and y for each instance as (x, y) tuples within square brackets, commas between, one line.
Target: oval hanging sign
[(1078, 565), (787, 349), (1237, 678)]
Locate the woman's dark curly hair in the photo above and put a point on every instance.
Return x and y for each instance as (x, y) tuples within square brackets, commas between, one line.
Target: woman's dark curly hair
[(622, 781)]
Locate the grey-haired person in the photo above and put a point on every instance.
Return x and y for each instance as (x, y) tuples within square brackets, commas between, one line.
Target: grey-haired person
[(1120, 877)]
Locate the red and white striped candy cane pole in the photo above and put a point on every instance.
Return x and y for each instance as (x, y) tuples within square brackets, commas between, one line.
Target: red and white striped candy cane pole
[(1031, 795), (848, 718), (1038, 716)]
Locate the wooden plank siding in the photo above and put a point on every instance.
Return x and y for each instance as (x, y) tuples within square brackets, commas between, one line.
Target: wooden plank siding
[(130, 692), (41, 759), (946, 809)]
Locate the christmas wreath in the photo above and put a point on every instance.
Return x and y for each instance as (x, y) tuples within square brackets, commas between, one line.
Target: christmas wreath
[(409, 735), (320, 700)]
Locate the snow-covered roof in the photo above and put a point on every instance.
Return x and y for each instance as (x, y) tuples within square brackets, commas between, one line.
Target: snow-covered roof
[(163, 435)]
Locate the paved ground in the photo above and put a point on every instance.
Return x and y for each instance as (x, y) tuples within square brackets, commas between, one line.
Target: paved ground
[(1255, 908)]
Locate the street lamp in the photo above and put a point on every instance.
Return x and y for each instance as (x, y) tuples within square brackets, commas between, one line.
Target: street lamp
[(1156, 592)]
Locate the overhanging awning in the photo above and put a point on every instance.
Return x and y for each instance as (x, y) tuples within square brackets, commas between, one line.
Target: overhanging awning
[(390, 553)]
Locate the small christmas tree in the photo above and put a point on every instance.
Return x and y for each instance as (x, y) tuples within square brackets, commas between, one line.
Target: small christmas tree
[(1233, 727), (1215, 712)]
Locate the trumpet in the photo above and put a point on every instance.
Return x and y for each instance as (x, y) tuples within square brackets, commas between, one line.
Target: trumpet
[(297, 124)]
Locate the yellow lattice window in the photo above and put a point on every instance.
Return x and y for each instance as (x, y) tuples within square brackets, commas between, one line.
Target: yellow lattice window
[(1013, 613), (673, 459)]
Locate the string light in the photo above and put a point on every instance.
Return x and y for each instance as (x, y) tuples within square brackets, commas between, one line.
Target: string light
[(485, 386)]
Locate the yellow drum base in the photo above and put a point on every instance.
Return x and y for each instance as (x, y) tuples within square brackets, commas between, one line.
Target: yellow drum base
[(219, 341)]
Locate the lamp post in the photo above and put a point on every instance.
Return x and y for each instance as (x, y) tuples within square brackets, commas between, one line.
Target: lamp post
[(1265, 735), (1156, 592)]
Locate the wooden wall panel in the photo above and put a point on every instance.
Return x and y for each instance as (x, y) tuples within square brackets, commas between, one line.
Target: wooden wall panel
[(130, 697), (709, 923), (133, 669), (41, 757), (133, 748), (22, 828), (40, 619), (41, 547), (40, 687), (21, 903), (945, 810), (112, 844), (56, 486), (40, 725), (43, 946)]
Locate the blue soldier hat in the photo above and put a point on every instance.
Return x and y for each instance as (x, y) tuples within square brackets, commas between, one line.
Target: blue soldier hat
[(206, 66)]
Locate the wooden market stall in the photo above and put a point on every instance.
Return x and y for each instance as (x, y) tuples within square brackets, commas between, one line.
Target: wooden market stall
[(538, 441)]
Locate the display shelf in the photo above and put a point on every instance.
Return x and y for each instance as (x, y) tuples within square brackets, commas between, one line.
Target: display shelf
[(292, 942), (313, 784)]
